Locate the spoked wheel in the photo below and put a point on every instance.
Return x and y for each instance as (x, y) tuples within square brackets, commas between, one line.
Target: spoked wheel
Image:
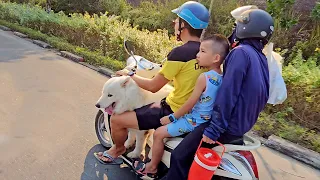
[(102, 130)]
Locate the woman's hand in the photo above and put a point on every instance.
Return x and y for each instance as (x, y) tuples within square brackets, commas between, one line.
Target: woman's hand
[(123, 72), (207, 140), (165, 120)]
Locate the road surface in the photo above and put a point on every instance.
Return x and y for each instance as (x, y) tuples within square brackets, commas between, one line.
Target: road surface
[(47, 121)]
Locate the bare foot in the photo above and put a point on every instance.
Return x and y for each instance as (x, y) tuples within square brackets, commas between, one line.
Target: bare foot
[(113, 152)]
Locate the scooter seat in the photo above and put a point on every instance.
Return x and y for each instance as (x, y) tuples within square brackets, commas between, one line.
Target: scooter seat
[(172, 143)]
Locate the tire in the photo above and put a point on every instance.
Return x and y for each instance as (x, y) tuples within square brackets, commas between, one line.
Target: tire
[(100, 130)]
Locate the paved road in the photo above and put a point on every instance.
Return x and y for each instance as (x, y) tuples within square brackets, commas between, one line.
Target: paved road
[(47, 121)]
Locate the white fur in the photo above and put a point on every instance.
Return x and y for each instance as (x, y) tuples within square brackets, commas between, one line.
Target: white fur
[(129, 96)]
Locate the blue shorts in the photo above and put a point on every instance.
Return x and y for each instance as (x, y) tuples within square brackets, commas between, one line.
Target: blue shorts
[(182, 126)]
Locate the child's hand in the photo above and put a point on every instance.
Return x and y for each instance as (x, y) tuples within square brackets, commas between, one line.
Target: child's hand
[(165, 120)]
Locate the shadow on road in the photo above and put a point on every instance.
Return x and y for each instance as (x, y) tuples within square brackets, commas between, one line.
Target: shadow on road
[(93, 170), (15, 55), (12, 55)]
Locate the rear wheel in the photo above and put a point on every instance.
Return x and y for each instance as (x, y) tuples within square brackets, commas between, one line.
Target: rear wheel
[(101, 130)]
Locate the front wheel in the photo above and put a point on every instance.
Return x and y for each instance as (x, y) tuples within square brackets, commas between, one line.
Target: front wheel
[(101, 130)]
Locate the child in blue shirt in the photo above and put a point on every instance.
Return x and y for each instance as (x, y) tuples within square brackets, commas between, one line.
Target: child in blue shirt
[(197, 109)]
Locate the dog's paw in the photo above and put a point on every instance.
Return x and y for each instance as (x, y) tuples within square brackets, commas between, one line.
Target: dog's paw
[(128, 144), (134, 154)]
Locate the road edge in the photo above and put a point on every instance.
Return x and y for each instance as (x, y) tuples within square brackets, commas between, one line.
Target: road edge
[(290, 149)]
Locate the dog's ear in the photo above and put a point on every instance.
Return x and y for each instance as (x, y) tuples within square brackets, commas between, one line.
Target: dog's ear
[(125, 82)]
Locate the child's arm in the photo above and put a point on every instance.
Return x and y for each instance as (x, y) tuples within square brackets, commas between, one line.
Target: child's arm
[(188, 105)]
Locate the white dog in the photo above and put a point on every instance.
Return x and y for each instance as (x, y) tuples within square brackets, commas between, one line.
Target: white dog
[(122, 94)]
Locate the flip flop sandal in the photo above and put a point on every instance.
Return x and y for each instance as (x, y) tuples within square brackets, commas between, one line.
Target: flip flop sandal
[(141, 166), (114, 161)]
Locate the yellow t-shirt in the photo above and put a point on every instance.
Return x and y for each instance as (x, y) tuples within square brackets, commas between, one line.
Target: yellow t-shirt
[(181, 67)]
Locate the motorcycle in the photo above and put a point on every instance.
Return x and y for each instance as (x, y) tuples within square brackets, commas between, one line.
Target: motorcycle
[(236, 163)]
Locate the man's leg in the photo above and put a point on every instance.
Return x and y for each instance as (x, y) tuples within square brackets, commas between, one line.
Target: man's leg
[(119, 132), (144, 118), (182, 156)]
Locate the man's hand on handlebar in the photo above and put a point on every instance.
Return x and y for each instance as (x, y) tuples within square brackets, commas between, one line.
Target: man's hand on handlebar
[(123, 72)]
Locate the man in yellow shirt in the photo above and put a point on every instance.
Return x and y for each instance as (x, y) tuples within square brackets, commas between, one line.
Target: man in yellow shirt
[(181, 67)]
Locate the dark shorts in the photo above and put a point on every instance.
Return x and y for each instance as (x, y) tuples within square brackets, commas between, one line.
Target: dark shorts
[(149, 115)]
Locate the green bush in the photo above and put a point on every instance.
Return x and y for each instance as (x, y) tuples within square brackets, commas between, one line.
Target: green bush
[(307, 46), (315, 14), (297, 120), (283, 11), (221, 19), (153, 16), (114, 7), (103, 34), (278, 124), (33, 2), (294, 34), (76, 6), (302, 79), (289, 29)]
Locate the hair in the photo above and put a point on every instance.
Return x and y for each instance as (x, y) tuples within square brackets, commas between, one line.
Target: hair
[(192, 31), (220, 45)]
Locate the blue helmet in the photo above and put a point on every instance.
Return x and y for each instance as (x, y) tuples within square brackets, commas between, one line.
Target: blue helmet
[(194, 13)]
